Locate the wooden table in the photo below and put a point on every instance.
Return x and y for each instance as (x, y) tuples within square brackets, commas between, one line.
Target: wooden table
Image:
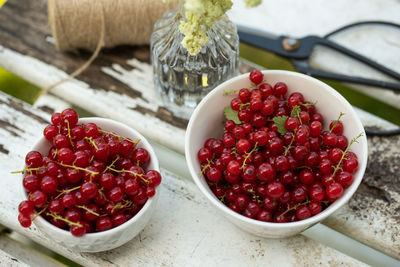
[(185, 229)]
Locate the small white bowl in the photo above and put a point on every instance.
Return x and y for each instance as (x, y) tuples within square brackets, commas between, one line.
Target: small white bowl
[(115, 237), (206, 122)]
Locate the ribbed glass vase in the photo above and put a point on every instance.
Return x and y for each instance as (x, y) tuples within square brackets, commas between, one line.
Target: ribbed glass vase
[(183, 80)]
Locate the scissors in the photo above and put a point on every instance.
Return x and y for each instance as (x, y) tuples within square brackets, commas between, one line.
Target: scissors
[(298, 51)]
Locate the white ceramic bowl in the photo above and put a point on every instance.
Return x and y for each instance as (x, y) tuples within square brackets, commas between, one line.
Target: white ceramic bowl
[(101, 241), (206, 122)]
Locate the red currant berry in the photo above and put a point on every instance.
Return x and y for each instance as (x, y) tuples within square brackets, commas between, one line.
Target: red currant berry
[(229, 125), (140, 156), (69, 115), (91, 130), (275, 189), (315, 207), (350, 164), (317, 192), (65, 155), (56, 206), (89, 190), (24, 220), (103, 224), (31, 183), (334, 190), (303, 212), (118, 219), (336, 127), (306, 176), (34, 159), (50, 132), (38, 198), (26, 207), (342, 142), (329, 139), (115, 194), (282, 163), (213, 174), (61, 141), (241, 201), (49, 184), (56, 119), (299, 193), (325, 166), (256, 76), (291, 123), (345, 179), (270, 204), (280, 89)]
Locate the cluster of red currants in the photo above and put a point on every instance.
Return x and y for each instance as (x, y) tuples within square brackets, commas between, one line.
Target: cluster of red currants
[(91, 180), (276, 163)]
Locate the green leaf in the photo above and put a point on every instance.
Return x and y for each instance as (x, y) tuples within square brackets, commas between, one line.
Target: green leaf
[(231, 114), (295, 111), (280, 124)]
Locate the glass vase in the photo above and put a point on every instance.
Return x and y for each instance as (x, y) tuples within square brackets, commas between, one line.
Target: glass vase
[(181, 79)]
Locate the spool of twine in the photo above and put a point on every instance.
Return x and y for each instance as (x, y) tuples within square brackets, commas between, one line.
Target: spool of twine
[(94, 24), (78, 23)]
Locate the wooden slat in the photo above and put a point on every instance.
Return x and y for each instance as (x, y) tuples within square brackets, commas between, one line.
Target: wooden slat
[(184, 229), (25, 254), (8, 260)]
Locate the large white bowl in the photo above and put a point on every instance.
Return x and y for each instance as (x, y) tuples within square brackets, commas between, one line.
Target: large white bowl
[(101, 241), (206, 122)]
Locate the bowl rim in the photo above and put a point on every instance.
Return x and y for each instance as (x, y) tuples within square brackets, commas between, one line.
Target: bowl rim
[(303, 223), (41, 222)]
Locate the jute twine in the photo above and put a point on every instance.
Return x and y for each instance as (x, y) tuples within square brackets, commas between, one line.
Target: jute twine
[(94, 24)]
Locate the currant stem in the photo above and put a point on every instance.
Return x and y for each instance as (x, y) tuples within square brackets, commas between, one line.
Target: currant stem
[(55, 216), (78, 168), (91, 141), (336, 122), (354, 140), (67, 191), (141, 176), (121, 206), (295, 207), (40, 212), (231, 91), (247, 156), (121, 137), (244, 105), (289, 146), (69, 133), (88, 210), (209, 162), (308, 104), (27, 170), (112, 164)]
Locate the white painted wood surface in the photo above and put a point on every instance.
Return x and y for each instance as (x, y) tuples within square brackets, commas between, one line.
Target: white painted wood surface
[(8, 260), (184, 230), (25, 254)]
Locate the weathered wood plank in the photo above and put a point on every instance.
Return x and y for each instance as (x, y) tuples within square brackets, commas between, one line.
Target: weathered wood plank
[(184, 230), (8, 260), (25, 254)]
